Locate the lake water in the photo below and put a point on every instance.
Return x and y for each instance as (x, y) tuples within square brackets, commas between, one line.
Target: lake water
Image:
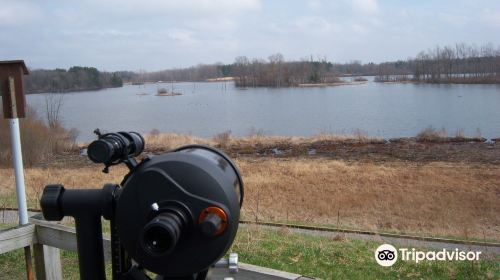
[(205, 109)]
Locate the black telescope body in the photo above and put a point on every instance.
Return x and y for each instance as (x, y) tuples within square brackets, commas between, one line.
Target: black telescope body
[(174, 214)]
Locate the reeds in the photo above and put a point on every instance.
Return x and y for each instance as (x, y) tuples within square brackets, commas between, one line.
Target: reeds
[(39, 142)]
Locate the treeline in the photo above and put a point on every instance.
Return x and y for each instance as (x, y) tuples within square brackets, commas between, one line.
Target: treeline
[(276, 72), (197, 73), (461, 63), (273, 72), (74, 79)]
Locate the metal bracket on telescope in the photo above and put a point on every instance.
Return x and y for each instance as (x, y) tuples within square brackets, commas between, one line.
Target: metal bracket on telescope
[(230, 263), (97, 132)]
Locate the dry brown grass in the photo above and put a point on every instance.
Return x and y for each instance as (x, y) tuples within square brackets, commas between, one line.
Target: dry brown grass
[(438, 199), (39, 142), (37, 178), (263, 140), (161, 141), (441, 199), (432, 134)]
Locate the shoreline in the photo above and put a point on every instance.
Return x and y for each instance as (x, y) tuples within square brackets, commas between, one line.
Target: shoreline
[(332, 84), (232, 79), (335, 138), (222, 79), (345, 148), (434, 83), (400, 82), (70, 91)]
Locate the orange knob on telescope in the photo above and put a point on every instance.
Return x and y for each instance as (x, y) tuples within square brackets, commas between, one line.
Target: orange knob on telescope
[(213, 221)]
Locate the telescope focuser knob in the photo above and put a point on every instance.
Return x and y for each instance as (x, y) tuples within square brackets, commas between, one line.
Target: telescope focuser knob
[(211, 225), (212, 221), (50, 202)]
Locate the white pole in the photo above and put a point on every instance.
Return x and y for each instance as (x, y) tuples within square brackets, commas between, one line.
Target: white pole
[(17, 161)]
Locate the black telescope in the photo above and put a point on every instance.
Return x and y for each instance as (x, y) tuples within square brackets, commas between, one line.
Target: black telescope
[(174, 214)]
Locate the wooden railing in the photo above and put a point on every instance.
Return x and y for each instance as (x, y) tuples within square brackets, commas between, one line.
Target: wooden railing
[(48, 238)]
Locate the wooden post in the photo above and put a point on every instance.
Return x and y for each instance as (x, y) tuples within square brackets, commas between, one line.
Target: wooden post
[(29, 263), (11, 88), (47, 262)]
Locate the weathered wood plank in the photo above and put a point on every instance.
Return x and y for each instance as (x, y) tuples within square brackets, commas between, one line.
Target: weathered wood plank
[(56, 236), (253, 272), (39, 262), (47, 262), (62, 237), (17, 238)]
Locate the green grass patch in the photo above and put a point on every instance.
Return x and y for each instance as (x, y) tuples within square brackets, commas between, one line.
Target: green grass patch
[(333, 258), (12, 266), (7, 226)]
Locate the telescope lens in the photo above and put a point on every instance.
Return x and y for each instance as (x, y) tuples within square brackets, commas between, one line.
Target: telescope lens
[(100, 151), (114, 146)]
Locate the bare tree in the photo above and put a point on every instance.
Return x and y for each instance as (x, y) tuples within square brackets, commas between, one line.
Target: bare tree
[(241, 66), (53, 104)]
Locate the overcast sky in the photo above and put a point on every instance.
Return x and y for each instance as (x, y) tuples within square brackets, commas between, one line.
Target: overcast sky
[(153, 35)]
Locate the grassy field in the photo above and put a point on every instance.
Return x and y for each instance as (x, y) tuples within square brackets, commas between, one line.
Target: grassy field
[(435, 199), (439, 199), (326, 258), (426, 187)]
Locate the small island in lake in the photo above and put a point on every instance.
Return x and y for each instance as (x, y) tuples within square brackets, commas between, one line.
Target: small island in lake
[(165, 92)]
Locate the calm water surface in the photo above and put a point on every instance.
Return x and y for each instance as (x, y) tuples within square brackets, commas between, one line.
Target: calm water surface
[(205, 109)]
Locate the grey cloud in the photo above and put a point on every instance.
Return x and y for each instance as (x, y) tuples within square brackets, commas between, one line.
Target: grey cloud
[(159, 34)]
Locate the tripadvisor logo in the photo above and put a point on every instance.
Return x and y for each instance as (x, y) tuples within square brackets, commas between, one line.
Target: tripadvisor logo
[(387, 255)]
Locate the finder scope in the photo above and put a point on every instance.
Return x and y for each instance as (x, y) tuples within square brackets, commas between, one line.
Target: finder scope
[(174, 214), (111, 147)]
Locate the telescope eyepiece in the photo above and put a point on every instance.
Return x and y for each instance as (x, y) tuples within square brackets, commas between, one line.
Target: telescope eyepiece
[(162, 233)]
